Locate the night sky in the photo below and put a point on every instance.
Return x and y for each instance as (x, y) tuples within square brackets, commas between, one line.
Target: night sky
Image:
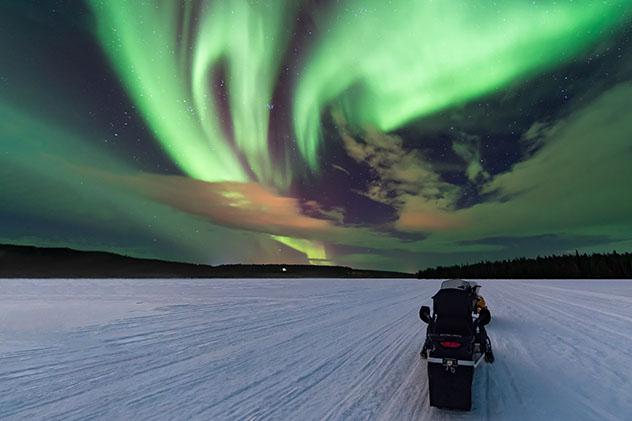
[(377, 134)]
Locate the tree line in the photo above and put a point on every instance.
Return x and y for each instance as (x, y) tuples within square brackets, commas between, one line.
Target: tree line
[(574, 266)]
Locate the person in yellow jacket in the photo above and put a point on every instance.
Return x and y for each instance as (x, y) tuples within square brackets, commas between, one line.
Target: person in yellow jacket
[(480, 304), (484, 316)]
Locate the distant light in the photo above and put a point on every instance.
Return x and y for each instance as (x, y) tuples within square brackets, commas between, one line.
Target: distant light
[(283, 269)]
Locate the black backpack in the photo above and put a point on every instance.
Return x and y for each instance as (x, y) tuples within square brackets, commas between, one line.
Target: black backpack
[(453, 312)]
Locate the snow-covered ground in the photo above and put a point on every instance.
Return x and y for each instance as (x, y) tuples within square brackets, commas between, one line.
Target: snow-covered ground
[(302, 349)]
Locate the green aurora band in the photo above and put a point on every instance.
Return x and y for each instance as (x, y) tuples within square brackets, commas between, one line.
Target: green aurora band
[(388, 63), (167, 57), (384, 64)]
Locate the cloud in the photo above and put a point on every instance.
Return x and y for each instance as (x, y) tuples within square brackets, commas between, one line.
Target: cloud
[(399, 173), (248, 206), (468, 148), (251, 207), (418, 215), (575, 184), (403, 179), (537, 135), (316, 210)]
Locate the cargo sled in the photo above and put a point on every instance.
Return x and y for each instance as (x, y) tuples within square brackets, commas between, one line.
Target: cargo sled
[(456, 343)]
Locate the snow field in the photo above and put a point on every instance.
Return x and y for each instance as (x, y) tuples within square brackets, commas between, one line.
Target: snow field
[(302, 349)]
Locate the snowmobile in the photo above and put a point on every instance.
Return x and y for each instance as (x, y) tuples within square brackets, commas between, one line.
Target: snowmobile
[(456, 343)]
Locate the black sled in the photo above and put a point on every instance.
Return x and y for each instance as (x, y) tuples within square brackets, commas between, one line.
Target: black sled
[(456, 344)]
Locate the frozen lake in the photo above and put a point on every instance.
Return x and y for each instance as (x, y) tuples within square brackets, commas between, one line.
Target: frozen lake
[(302, 349)]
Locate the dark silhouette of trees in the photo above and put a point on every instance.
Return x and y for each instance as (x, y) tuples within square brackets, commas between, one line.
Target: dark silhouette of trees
[(573, 266), (41, 262)]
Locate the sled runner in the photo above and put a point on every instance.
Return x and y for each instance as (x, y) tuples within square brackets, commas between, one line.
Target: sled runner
[(456, 343)]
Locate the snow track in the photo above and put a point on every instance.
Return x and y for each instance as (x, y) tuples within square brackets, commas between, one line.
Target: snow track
[(302, 349)]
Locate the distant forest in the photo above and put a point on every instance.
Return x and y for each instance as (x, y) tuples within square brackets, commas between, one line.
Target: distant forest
[(42, 262), (579, 266)]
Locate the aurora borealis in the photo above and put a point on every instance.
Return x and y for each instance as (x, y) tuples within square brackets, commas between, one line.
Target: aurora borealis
[(387, 135)]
